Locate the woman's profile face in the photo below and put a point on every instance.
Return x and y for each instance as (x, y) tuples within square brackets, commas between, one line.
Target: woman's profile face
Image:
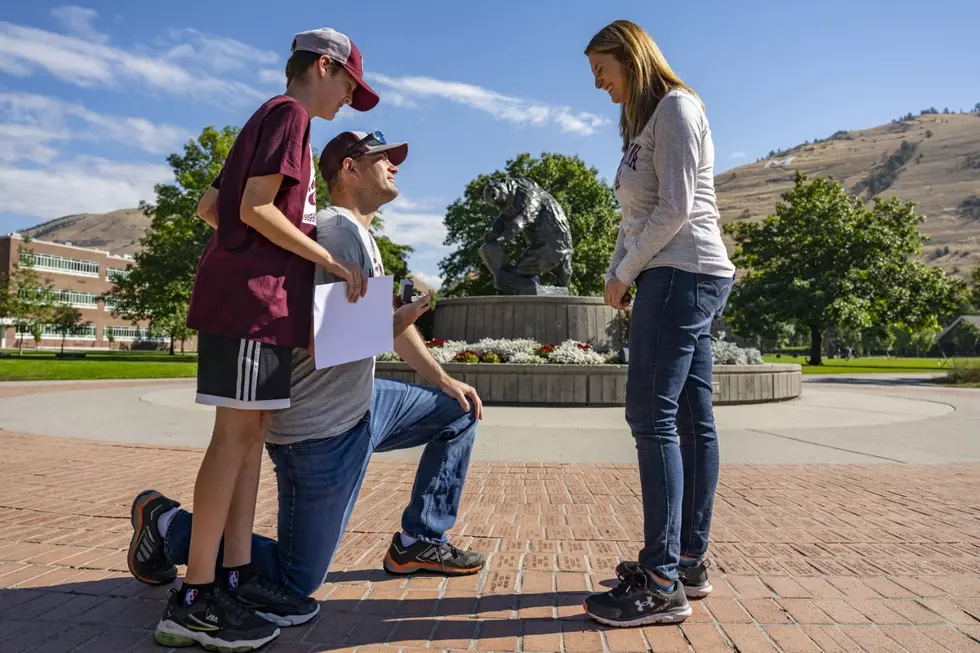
[(609, 76)]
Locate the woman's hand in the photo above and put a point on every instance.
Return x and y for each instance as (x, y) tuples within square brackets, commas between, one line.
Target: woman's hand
[(617, 294)]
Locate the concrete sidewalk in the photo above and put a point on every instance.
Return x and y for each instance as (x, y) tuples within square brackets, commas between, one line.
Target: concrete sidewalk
[(839, 420)]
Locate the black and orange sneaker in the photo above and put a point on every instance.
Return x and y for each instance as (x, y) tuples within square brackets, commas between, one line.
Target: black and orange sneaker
[(442, 559), (147, 558)]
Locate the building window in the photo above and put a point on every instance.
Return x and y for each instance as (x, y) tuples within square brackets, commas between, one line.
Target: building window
[(110, 304), (131, 333), (114, 274), (77, 299), (49, 332), (52, 263)]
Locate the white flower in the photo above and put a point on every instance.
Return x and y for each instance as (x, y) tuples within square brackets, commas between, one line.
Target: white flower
[(389, 356), (728, 353), (522, 358), (569, 353)]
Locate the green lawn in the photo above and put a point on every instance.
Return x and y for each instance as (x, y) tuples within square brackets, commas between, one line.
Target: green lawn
[(866, 365), (44, 366)]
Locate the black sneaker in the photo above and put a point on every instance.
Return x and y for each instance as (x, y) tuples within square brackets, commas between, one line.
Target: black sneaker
[(214, 621), (437, 558), (147, 557), (637, 601), (695, 579), (277, 604)]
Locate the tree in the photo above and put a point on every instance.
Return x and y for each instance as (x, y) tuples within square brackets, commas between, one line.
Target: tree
[(110, 335), (825, 260), (26, 297), (173, 325), (588, 202), (158, 287), (965, 337), (975, 288), (66, 320)]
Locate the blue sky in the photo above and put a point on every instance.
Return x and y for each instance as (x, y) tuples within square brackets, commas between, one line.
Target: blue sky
[(93, 97)]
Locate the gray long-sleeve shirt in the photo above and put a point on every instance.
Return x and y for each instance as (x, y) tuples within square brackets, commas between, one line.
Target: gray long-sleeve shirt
[(665, 185)]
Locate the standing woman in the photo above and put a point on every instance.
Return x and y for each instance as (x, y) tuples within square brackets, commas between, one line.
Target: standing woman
[(670, 245)]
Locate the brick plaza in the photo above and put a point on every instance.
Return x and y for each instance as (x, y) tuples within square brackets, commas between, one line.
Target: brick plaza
[(806, 557)]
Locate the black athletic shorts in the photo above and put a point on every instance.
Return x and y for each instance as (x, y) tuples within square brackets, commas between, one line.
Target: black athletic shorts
[(238, 373)]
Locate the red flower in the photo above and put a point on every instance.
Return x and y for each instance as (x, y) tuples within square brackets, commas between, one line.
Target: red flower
[(436, 343), (544, 350), (584, 346)]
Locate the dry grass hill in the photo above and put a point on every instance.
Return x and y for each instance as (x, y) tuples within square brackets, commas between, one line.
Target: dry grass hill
[(117, 232), (931, 159)]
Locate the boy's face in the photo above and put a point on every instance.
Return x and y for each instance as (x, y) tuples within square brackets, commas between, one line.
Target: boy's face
[(334, 88)]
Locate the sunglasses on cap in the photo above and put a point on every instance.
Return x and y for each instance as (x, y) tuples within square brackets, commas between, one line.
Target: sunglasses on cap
[(371, 140)]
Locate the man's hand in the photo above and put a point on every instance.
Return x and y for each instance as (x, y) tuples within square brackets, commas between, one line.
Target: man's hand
[(617, 294), (463, 394), (351, 273), (407, 314)]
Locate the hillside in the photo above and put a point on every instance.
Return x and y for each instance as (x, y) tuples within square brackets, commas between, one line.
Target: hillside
[(117, 231), (933, 160)]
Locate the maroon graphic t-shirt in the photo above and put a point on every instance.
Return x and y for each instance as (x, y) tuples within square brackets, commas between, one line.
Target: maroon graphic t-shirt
[(246, 286)]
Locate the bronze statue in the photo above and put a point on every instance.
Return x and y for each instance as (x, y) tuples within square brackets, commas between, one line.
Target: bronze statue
[(527, 210)]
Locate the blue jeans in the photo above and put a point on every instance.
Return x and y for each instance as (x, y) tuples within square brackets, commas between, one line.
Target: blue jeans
[(319, 481), (668, 409)]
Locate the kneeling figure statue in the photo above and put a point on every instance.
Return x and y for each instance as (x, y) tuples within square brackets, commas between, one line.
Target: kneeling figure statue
[(527, 210)]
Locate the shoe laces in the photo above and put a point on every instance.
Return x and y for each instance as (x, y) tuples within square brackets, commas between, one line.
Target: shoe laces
[(234, 611), (268, 587), (631, 577)]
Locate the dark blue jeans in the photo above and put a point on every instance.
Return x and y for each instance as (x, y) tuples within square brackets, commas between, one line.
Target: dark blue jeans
[(319, 481), (668, 408)]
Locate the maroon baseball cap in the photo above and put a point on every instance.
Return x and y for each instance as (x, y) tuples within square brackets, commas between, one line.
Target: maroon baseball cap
[(341, 49), (354, 144)]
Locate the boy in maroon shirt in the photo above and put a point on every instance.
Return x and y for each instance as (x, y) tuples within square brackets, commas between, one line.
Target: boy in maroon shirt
[(251, 305)]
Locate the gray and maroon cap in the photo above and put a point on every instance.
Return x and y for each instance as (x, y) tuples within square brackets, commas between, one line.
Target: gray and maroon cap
[(341, 49), (354, 144)]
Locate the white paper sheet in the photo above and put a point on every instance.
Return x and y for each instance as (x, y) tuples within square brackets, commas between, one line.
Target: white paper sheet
[(345, 331)]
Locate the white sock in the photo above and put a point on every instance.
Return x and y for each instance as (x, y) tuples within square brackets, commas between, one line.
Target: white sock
[(407, 540), (164, 521)]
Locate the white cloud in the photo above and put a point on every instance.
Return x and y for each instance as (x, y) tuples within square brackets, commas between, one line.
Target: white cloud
[(30, 123), (82, 185), (503, 107), (272, 76), (431, 280), (216, 53), (737, 155), (77, 61), (80, 21)]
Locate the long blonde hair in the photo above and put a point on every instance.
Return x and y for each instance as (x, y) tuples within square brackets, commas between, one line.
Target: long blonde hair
[(648, 75)]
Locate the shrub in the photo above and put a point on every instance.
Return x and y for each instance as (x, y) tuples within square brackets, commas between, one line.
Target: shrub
[(490, 357), (467, 356)]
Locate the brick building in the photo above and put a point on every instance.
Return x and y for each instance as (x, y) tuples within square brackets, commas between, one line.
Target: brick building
[(79, 275)]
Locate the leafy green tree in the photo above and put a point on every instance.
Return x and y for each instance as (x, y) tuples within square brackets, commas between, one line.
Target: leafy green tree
[(161, 278), (110, 335), (26, 297), (975, 288), (66, 320), (588, 202), (965, 337), (825, 260)]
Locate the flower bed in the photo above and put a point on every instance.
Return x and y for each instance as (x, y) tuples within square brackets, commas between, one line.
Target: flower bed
[(530, 352)]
